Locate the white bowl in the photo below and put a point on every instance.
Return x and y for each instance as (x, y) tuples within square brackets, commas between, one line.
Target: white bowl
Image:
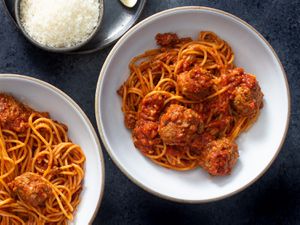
[(258, 147), (45, 97)]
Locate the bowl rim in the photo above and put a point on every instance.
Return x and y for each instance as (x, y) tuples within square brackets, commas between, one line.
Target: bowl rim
[(55, 49), (98, 103), (76, 107)]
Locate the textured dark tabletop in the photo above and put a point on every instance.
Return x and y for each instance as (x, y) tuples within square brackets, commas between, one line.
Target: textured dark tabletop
[(273, 199)]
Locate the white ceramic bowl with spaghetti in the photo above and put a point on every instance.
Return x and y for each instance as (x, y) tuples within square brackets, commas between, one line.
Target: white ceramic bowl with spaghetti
[(258, 147), (44, 97)]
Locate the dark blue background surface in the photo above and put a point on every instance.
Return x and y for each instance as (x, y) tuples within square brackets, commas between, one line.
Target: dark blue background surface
[(273, 199)]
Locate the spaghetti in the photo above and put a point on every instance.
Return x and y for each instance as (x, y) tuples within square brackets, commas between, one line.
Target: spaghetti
[(186, 103), (41, 171)]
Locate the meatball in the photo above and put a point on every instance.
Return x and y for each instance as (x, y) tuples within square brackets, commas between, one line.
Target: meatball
[(195, 84), (248, 96), (219, 157), (238, 71), (31, 188), (130, 120), (151, 107), (145, 135), (179, 125), (13, 114), (167, 39)]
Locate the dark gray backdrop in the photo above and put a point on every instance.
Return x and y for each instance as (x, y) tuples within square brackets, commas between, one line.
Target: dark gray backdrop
[(273, 199)]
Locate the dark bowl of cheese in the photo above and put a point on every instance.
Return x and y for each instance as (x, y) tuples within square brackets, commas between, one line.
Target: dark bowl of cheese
[(59, 25)]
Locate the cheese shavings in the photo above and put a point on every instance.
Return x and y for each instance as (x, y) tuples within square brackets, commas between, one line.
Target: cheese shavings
[(59, 23)]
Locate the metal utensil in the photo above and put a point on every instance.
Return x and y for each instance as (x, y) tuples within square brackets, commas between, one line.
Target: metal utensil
[(129, 3)]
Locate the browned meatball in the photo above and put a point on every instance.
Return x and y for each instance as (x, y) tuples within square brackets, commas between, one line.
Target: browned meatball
[(145, 135), (247, 96), (238, 71), (130, 120), (167, 39), (179, 125), (151, 107), (13, 114), (31, 188), (219, 157), (195, 84)]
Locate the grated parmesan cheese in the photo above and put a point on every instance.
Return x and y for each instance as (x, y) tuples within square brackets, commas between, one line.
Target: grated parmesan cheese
[(59, 23)]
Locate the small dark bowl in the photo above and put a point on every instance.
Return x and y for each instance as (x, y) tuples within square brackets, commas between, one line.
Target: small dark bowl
[(54, 49)]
